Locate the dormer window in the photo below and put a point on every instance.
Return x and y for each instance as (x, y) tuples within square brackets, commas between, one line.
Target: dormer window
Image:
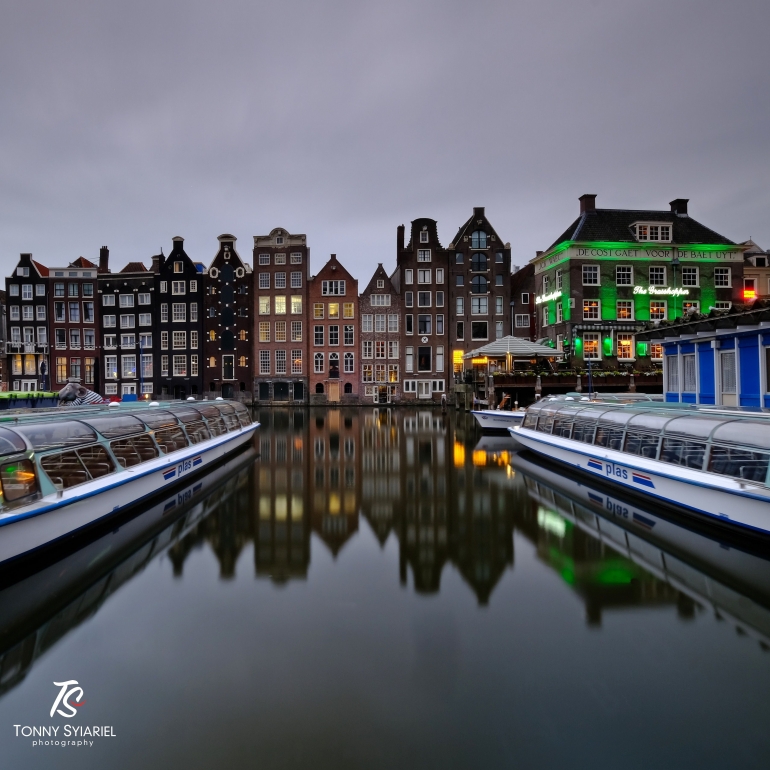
[(424, 236), (653, 232), (178, 267), (279, 240), (478, 240), (380, 284)]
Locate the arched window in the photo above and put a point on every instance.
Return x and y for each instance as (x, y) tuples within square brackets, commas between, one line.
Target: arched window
[(348, 363), (479, 285), (334, 364), (478, 262), (212, 361), (242, 335), (479, 240), (348, 387), (242, 361), (228, 340), (213, 336), (319, 388), (318, 363)]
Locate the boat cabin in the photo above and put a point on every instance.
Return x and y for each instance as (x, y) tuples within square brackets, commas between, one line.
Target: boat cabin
[(718, 442), (45, 455)]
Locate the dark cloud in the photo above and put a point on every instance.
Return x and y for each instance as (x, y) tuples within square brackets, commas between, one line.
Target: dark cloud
[(127, 124)]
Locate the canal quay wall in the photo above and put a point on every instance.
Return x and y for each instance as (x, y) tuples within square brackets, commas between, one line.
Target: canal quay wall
[(269, 330)]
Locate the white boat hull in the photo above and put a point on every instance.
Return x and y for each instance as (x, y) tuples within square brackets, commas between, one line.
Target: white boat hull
[(498, 419), (28, 529), (721, 499)]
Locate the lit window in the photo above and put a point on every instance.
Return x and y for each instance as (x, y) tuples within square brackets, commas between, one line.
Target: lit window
[(625, 310), (625, 346), (658, 310), (591, 310)]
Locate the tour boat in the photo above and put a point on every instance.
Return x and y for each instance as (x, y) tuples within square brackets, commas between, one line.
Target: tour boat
[(713, 464), (498, 419), (56, 467)]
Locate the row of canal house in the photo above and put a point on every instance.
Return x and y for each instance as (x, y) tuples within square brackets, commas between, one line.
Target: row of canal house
[(273, 332)]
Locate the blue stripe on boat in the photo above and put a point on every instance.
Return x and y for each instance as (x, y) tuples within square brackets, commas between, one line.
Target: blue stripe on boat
[(169, 474), (640, 478)]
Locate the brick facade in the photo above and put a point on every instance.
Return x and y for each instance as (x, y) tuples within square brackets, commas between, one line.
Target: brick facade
[(280, 326), (332, 306)]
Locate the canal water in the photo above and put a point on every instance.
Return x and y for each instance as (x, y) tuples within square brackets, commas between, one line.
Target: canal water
[(390, 589)]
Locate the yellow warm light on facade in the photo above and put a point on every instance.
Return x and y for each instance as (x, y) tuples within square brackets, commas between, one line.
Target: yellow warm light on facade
[(457, 356), (482, 360)]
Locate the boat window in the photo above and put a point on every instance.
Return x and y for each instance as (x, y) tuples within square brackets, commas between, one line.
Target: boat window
[(642, 443), (649, 421), (696, 427), (171, 439), (243, 413), (68, 469), (680, 451), (545, 423), (609, 435), (740, 463), (187, 415), (618, 418), (745, 433), (562, 425), (530, 419), (18, 480), (96, 460), (120, 425), (197, 431), (10, 442), (158, 419), (230, 417), (57, 434), (132, 451), (214, 420), (584, 431)]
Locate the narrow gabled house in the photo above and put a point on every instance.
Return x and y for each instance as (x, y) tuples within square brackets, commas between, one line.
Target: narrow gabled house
[(380, 335), (333, 307), (127, 306), (75, 317), (27, 341), (178, 324), (480, 285), (228, 324), (421, 278), (280, 287)]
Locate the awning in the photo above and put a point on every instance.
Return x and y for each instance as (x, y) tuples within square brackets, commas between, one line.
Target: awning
[(516, 347)]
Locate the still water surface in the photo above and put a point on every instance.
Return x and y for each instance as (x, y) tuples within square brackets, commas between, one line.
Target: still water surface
[(390, 589)]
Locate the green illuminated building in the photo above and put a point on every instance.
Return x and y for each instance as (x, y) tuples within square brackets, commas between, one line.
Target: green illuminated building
[(614, 270)]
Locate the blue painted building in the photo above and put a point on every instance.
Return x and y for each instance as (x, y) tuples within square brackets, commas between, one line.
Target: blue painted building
[(722, 358)]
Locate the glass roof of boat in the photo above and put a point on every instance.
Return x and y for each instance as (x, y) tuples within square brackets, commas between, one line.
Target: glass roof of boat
[(56, 427), (722, 426)]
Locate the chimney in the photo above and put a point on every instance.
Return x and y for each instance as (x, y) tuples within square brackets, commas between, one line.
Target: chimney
[(587, 203), (104, 260), (679, 206), (161, 260), (400, 238), (538, 253), (478, 212), (178, 243)]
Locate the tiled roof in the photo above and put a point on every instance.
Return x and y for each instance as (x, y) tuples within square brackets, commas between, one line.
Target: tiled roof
[(82, 262), (615, 225), (134, 267), (42, 269)]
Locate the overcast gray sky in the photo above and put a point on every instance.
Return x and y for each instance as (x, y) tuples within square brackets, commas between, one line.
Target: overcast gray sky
[(128, 123)]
